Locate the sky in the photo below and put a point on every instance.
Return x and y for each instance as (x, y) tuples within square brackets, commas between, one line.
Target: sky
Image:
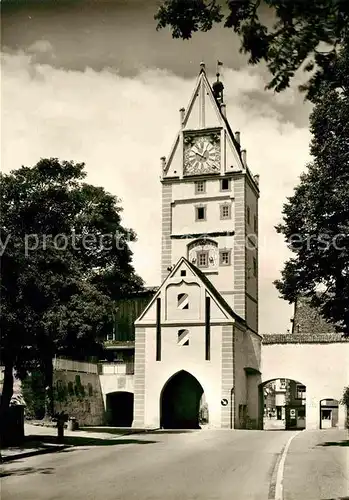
[(93, 81)]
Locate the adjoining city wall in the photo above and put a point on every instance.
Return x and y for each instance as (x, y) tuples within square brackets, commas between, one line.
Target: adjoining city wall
[(79, 395), (318, 361)]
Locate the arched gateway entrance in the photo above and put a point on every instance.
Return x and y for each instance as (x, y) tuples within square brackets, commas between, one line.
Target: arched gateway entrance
[(120, 409), (180, 402), (283, 404)]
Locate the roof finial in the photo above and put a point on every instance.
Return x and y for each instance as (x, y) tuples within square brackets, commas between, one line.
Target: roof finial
[(219, 65), (218, 86), (202, 66)]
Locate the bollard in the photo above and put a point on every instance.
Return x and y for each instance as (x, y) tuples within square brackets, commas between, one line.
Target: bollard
[(60, 418), (60, 431)]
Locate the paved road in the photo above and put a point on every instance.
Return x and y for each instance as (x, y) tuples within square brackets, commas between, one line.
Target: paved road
[(317, 466), (201, 465)]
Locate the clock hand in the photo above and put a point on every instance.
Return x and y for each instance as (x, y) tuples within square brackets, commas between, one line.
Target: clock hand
[(204, 156)]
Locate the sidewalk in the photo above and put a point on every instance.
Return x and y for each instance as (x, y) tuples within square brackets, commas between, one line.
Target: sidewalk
[(40, 439), (317, 466), (88, 432)]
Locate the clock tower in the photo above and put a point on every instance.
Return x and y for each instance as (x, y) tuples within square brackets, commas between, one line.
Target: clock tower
[(197, 348), (210, 202)]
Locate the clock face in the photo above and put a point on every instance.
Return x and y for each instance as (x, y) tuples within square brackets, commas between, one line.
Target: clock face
[(201, 155)]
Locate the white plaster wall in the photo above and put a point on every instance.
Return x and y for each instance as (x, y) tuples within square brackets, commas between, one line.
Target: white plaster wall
[(195, 297), (247, 355), (322, 368), (175, 358), (186, 190), (114, 383), (184, 217), (240, 385)]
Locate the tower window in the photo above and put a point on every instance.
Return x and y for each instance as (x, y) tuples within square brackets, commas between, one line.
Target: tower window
[(200, 213), (182, 301), (255, 224), (224, 257), (200, 187), (225, 184), (183, 272), (225, 211), (183, 337), (248, 215), (202, 259), (300, 391)]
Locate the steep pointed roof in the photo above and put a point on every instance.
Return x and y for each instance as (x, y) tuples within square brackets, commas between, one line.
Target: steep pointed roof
[(202, 82), (217, 297), (204, 111), (201, 88)]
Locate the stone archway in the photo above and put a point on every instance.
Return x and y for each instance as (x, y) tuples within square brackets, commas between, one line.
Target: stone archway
[(180, 402), (282, 404), (119, 407)]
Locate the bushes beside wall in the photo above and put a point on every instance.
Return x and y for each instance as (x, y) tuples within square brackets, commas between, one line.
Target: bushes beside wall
[(345, 401), (77, 393), (33, 392)]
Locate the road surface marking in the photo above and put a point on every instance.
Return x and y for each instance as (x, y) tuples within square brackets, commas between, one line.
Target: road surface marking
[(279, 493)]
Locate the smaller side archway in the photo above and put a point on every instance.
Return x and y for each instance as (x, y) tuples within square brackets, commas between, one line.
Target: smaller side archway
[(328, 413), (180, 402), (119, 406), (282, 404)]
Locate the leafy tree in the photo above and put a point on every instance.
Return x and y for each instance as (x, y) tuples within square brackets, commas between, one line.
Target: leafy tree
[(345, 401), (316, 218), (345, 397), (286, 35), (64, 257), (33, 391)]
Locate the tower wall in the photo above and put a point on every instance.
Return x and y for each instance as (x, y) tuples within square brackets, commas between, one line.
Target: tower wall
[(166, 247), (200, 324)]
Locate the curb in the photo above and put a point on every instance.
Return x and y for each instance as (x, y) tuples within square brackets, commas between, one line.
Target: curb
[(42, 451), (143, 431), (55, 448)]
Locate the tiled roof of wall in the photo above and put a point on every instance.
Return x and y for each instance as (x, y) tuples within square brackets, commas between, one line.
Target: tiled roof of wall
[(306, 338)]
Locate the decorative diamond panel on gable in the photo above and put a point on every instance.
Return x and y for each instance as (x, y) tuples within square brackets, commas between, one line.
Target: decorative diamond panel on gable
[(183, 301), (183, 337)]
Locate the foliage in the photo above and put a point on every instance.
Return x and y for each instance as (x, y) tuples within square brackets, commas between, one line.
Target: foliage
[(33, 391), (286, 35), (64, 392), (65, 256), (316, 217), (345, 397), (345, 401)]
